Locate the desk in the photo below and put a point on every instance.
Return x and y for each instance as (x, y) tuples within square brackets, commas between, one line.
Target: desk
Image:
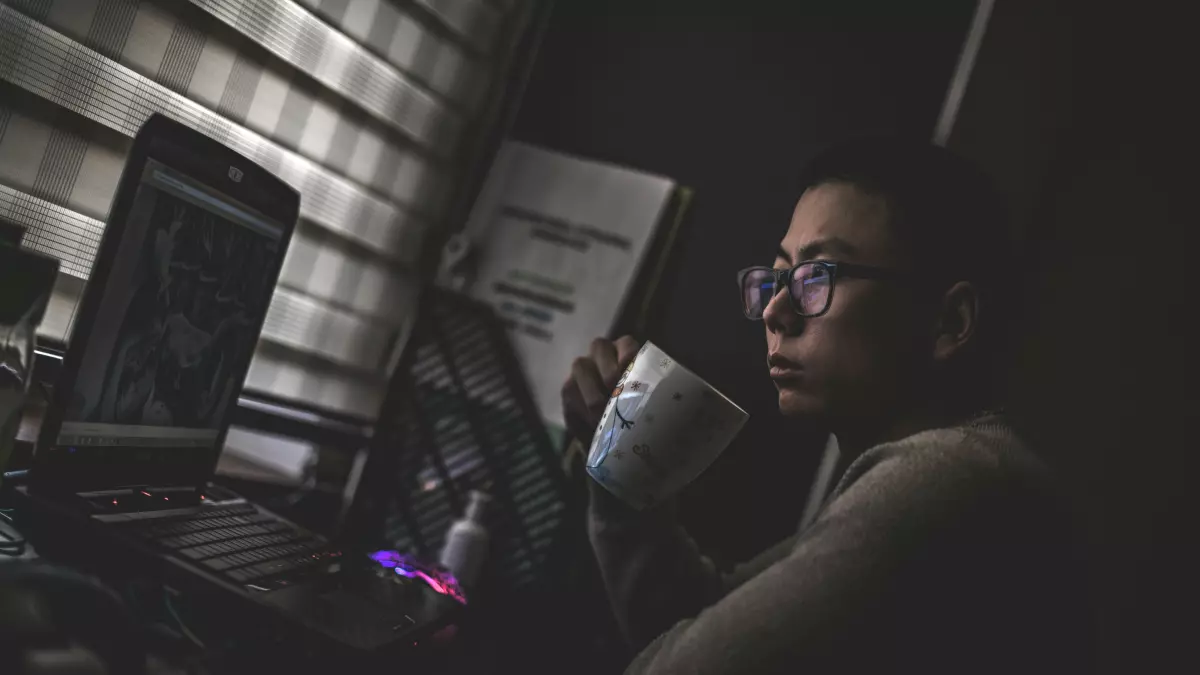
[(181, 630), (532, 633), (500, 635), (44, 589), (192, 629)]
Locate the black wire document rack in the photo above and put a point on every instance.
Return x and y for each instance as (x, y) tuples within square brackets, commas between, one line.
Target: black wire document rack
[(460, 417)]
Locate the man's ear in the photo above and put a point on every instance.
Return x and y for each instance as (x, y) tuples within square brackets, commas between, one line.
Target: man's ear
[(957, 321)]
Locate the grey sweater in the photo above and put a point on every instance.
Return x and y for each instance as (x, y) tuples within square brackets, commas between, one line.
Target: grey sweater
[(942, 552)]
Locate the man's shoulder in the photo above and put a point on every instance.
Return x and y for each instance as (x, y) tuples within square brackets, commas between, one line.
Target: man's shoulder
[(951, 467)]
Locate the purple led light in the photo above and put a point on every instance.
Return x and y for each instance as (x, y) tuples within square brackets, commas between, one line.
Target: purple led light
[(439, 580), (433, 583), (386, 558)]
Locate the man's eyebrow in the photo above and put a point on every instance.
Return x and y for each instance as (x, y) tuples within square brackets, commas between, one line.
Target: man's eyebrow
[(827, 246), (782, 254)]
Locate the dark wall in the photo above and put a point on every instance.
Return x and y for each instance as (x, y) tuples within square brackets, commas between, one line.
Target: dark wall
[(730, 98), (1083, 113)]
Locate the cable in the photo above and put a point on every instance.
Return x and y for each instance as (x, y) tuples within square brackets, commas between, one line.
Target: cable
[(187, 632)]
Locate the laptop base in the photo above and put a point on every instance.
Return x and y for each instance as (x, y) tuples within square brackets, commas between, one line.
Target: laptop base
[(350, 611)]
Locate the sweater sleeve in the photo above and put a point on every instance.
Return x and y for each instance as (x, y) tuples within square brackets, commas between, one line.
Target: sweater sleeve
[(653, 571), (811, 607)]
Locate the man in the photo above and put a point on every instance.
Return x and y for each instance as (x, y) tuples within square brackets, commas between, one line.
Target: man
[(942, 548)]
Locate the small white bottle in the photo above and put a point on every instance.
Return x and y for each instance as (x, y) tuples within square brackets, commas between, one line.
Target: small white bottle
[(466, 544)]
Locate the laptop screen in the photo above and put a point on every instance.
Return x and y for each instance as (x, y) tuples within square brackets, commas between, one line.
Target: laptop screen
[(180, 310)]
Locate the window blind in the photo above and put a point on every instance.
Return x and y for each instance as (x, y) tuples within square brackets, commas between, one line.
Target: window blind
[(366, 107)]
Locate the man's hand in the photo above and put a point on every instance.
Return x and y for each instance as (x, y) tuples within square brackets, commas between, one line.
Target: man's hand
[(592, 378)]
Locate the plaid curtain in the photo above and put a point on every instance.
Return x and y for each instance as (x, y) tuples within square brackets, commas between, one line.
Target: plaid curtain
[(361, 105)]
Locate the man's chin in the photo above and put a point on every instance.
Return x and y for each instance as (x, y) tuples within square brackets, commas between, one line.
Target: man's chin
[(796, 403)]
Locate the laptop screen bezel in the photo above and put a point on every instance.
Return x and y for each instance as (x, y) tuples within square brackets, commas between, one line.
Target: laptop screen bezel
[(205, 161)]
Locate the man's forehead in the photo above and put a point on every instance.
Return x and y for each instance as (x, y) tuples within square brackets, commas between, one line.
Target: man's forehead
[(838, 220)]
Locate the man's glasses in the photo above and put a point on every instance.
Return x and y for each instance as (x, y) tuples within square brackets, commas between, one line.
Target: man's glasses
[(810, 285)]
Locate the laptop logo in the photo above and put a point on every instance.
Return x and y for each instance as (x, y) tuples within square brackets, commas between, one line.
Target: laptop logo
[(235, 174)]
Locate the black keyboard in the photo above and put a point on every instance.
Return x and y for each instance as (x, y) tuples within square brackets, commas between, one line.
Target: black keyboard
[(236, 541)]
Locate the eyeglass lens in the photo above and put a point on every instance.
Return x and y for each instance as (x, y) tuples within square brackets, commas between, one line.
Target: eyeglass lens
[(810, 287), (758, 287)]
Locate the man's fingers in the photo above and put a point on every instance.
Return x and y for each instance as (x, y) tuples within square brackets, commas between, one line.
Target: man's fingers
[(587, 390), (627, 349), (604, 353), (575, 413), (591, 385), (571, 398)]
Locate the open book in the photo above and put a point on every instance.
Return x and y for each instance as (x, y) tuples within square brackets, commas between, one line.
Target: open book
[(564, 254)]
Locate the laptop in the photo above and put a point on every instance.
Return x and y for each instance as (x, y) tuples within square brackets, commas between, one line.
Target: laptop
[(164, 336)]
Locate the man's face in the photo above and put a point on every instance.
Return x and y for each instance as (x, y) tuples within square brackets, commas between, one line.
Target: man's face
[(859, 360)]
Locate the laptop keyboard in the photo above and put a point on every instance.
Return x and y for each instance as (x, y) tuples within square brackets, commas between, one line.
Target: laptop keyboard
[(237, 541)]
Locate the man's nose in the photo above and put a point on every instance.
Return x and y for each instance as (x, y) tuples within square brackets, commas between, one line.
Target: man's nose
[(779, 316)]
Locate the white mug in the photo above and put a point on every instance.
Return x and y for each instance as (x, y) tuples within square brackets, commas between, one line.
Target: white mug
[(662, 428)]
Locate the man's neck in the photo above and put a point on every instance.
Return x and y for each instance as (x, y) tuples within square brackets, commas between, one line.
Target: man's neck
[(854, 438)]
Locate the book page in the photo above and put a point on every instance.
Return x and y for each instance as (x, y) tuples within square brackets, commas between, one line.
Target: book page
[(559, 242)]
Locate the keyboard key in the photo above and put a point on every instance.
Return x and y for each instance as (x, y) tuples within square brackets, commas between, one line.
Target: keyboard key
[(194, 553), (211, 536), (273, 567), (241, 542), (217, 564), (241, 575)]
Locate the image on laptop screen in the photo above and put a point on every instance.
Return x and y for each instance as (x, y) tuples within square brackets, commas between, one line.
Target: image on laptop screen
[(179, 312)]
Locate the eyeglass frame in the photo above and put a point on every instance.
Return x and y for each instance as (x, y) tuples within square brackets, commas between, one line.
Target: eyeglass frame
[(833, 268)]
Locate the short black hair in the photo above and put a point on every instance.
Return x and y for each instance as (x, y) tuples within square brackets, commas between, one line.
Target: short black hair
[(950, 219)]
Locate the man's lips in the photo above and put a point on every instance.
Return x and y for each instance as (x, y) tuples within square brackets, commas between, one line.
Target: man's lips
[(783, 368)]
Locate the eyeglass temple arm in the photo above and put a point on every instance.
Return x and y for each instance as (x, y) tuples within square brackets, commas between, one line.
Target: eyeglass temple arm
[(869, 272), (777, 276)]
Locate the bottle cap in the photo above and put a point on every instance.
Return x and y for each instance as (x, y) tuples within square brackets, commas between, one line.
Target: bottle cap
[(478, 505)]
